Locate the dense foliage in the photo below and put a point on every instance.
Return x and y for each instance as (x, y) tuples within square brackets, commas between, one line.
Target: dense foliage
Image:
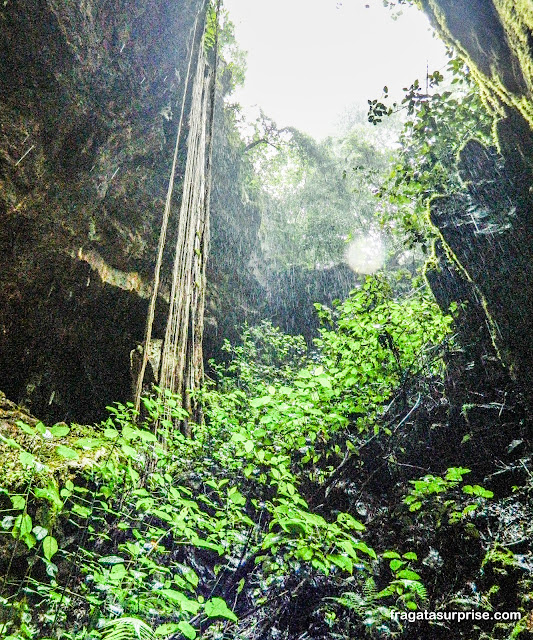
[(317, 195), (443, 114), (170, 535)]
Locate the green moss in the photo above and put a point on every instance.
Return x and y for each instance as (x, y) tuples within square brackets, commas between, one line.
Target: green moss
[(499, 558), (50, 464), (493, 38)]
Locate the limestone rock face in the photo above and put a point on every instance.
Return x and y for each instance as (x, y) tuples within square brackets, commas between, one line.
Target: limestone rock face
[(89, 102), (487, 230), (495, 36)]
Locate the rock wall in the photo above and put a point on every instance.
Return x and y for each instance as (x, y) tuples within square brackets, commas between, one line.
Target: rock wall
[(89, 99), (487, 229)]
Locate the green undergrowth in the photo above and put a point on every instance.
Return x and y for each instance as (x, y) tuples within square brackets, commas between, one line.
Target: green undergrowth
[(133, 530)]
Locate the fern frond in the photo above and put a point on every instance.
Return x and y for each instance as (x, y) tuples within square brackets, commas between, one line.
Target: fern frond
[(353, 601), (420, 591), (127, 629), (369, 589)]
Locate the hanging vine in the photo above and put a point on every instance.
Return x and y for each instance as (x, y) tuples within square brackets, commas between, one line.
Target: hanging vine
[(181, 363)]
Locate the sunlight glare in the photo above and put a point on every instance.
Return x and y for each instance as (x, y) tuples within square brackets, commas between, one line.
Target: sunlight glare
[(366, 254)]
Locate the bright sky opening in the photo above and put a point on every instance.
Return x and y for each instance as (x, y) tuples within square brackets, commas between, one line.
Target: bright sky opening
[(310, 60)]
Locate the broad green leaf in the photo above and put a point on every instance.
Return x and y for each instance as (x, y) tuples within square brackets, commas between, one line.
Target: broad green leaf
[(118, 571), (407, 574), (205, 544), (67, 452), (27, 459), (237, 498), (166, 629), (187, 630), (89, 443), (343, 562), (350, 522), (129, 451), (260, 402), (49, 493), (128, 433), (217, 608), (147, 436), (26, 428), (60, 430), (23, 525), (192, 577), (191, 606), (18, 502), (50, 547), (305, 554), (81, 510), (361, 546), (39, 532), (248, 446), (30, 540)]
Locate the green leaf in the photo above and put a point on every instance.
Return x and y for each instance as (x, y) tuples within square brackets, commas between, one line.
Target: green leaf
[(324, 380), (162, 514), (260, 402), (343, 562), (237, 498), (191, 606), (18, 502), (50, 547), (23, 526), (81, 511), (39, 532), (30, 540), (128, 433), (118, 571), (67, 452), (217, 608), (49, 493), (350, 522), (456, 473), (407, 574), (361, 546), (27, 459), (187, 630), (477, 490), (27, 429), (192, 577), (129, 451), (166, 629), (147, 436), (248, 446), (60, 430), (396, 564), (205, 544), (305, 554), (89, 443)]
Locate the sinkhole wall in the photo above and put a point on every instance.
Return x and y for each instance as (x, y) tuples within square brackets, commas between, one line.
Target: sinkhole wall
[(487, 229), (89, 104)]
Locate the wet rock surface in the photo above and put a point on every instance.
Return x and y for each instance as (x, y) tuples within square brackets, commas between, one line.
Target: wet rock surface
[(89, 98)]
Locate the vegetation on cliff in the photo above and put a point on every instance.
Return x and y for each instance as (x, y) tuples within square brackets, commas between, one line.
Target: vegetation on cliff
[(370, 481)]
